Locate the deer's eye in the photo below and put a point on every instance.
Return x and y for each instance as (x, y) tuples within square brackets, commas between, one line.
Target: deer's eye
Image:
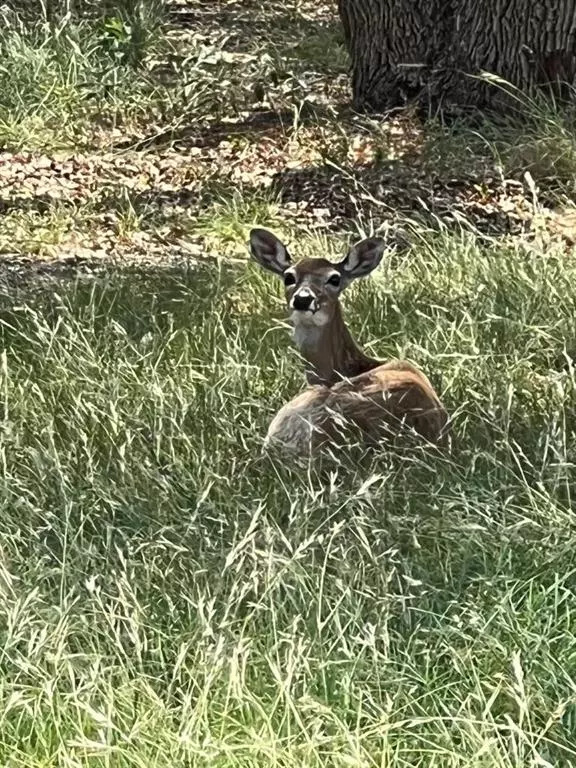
[(289, 279), (334, 280)]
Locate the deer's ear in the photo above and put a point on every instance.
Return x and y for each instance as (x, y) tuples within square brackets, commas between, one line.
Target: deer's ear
[(269, 251), (362, 258)]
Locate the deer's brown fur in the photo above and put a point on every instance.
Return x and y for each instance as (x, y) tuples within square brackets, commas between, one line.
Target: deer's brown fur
[(348, 391)]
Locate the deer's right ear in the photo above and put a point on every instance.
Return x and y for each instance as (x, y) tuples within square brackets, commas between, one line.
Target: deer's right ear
[(268, 251)]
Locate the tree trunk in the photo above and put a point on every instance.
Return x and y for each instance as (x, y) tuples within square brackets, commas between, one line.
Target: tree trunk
[(429, 51)]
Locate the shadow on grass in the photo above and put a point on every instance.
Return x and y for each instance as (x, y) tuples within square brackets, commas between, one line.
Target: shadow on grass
[(135, 290), (292, 51), (400, 189), (247, 20), (307, 33), (261, 122)]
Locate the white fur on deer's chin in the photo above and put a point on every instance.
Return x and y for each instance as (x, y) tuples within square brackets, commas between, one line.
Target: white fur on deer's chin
[(307, 326)]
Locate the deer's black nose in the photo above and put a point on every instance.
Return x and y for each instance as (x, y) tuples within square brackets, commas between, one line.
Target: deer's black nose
[(302, 302)]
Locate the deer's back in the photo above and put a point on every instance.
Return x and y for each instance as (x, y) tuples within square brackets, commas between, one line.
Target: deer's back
[(393, 392), (376, 403)]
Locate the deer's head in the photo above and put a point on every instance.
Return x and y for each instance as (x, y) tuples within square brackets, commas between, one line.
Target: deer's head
[(313, 286)]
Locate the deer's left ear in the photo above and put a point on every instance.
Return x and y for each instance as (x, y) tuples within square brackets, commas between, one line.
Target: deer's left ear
[(362, 258)]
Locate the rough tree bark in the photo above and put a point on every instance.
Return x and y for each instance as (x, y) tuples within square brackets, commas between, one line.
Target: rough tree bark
[(426, 50)]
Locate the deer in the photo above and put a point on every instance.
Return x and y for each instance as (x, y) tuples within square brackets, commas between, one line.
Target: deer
[(348, 391)]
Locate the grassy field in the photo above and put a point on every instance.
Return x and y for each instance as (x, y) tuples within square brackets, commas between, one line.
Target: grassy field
[(170, 596)]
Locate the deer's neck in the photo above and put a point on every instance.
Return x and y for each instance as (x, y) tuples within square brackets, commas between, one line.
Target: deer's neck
[(328, 348)]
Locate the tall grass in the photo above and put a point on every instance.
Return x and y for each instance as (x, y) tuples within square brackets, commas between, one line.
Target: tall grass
[(56, 77), (173, 597), (68, 72)]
